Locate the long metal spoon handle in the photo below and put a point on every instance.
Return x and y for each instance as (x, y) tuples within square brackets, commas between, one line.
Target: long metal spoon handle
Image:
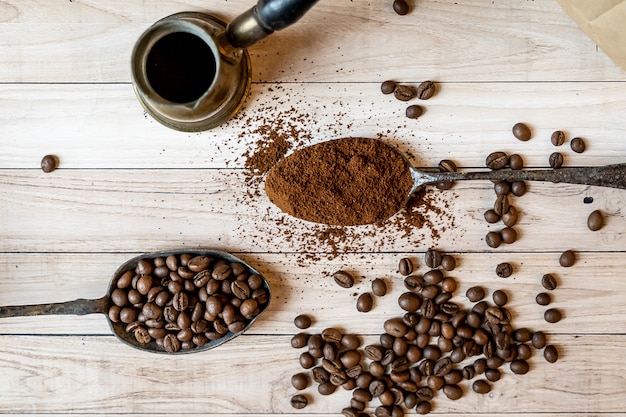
[(613, 176), (263, 19), (79, 307)]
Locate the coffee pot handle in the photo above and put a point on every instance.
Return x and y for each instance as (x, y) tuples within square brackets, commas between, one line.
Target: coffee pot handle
[(263, 19)]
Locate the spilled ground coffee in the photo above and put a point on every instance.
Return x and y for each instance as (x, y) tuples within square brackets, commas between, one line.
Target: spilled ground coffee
[(348, 181)]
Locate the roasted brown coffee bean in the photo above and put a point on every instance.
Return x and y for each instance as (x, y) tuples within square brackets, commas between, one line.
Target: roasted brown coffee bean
[(475, 293), (330, 351), (567, 258), (326, 388), (299, 401), (180, 301), (377, 387), (374, 352), (510, 217), (379, 287), (433, 277), (350, 341), (443, 366), (502, 188), (508, 235), (481, 386), (538, 340), (555, 160), (552, 315), (240, 289), (395, 327), (493, 239), (350, 358), (520, 367), (320, 375), (144, 283), (357, 405), (501, 205), (423, 407), (128, 315), (543, 299), (577, 145), (405, 266), (404, 92), (518, 188), (504, 270), (171, 343), (119, 297), (497, 160), (500, 298), (401, 7), (199, 263), (49, 163), (595, 221), (491, 216), (453, 392), (307, 361), (557, 138), (414, 111), (516, 162), (331, 334), (302, 321), (220, 272), (142, 335), (551, 354), (350, 412), (409, 301), (521, 132), (388, 87), (548, 281), (343, 279), (249, 308), (493, 375), (468, 372), (365, 302), (448, 263), (255, 283), (494, 315), (414, 283), (446, 165), (425, 393), (524, 351), (426, 90)]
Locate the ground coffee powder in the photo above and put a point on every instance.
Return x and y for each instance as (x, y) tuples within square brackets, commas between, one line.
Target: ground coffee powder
[(347, 182)]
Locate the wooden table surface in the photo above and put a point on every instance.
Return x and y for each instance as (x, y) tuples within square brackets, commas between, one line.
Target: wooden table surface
[(127, 185)]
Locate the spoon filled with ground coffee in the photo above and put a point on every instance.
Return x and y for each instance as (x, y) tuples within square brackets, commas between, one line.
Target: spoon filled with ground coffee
[(173, 302), (357, 181)]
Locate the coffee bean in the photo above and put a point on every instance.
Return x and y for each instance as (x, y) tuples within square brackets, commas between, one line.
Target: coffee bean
[(567, 258), (548, 282), (577, 145), (299, 401), (555, 160), (300, 381), (502, 187), (326, 388), (504, 270), (433, 258), (405, 266), (401, 7), (343, 279), (49, 163), (481, 386), (414, 283), (501, 205), (493, 375), (374, 352), (538, 340), (557, 138), (491, 216), (552, 315), (595, 221), (171, 343), (500, 298), (395, 327), (516, 162), (551, 354), (404, 93), (423, 407), (365, 302), (508, 235), (302, 321), (425, 394), (521, 131), (510, 217), (409, 301), (379, 287), (426, 90), (414, 111), (448, 263), (388, 87), (307, 360), (519, 367), (446, 165), (543, 299), (475, 293), (518, 188), (453, 392), (331, 334), (433, 277), (497, 160)]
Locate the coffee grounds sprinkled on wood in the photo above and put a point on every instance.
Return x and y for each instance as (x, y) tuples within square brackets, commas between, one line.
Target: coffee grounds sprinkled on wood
[(346, 182)]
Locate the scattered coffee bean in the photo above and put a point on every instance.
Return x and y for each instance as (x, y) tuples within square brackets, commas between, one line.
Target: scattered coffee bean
[(365, 302), (510, 217), (426, 90), (49, 163), (446, 165), (508, 235), (501, 205), (491, 216), (401, 7), (299, 401), (595, 221), (557, 138), (504, 270), (502, 187), (577, 145), (551, 354), (448, 263), (548, 281), (543, 299), (518, 188), (516, 162), (379, 287), (343, 279), (423, 407), (432, 258), (414, 111), (302, 321), (405, 267), (500, 298), (567, 258), (388, 87), (552, 315), (555, 160), (493, 239), (497, 160), (300, 381), (475, 293), (453, 392), (519, 366), (538, 340), (481, 386), (404, 92), (521, 131)]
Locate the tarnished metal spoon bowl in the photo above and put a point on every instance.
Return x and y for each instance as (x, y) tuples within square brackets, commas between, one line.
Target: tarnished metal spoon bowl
[(120, 329)]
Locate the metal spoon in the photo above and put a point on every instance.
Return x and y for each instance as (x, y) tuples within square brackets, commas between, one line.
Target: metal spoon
[(101, 305)]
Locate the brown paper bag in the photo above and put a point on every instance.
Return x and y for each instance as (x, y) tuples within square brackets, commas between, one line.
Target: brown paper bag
[(604, 21)]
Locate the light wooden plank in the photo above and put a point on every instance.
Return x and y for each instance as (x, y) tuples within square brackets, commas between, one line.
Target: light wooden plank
[(103, 126), (477, 40), (590, 294), (87, 374)]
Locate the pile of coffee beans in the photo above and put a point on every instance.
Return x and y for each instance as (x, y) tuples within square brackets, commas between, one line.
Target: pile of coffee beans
[(436, 345), (405, 92), (181, 302)]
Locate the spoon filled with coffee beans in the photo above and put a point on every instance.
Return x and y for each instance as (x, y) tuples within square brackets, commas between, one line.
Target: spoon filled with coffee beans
[(357, 181), (173, 302)]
